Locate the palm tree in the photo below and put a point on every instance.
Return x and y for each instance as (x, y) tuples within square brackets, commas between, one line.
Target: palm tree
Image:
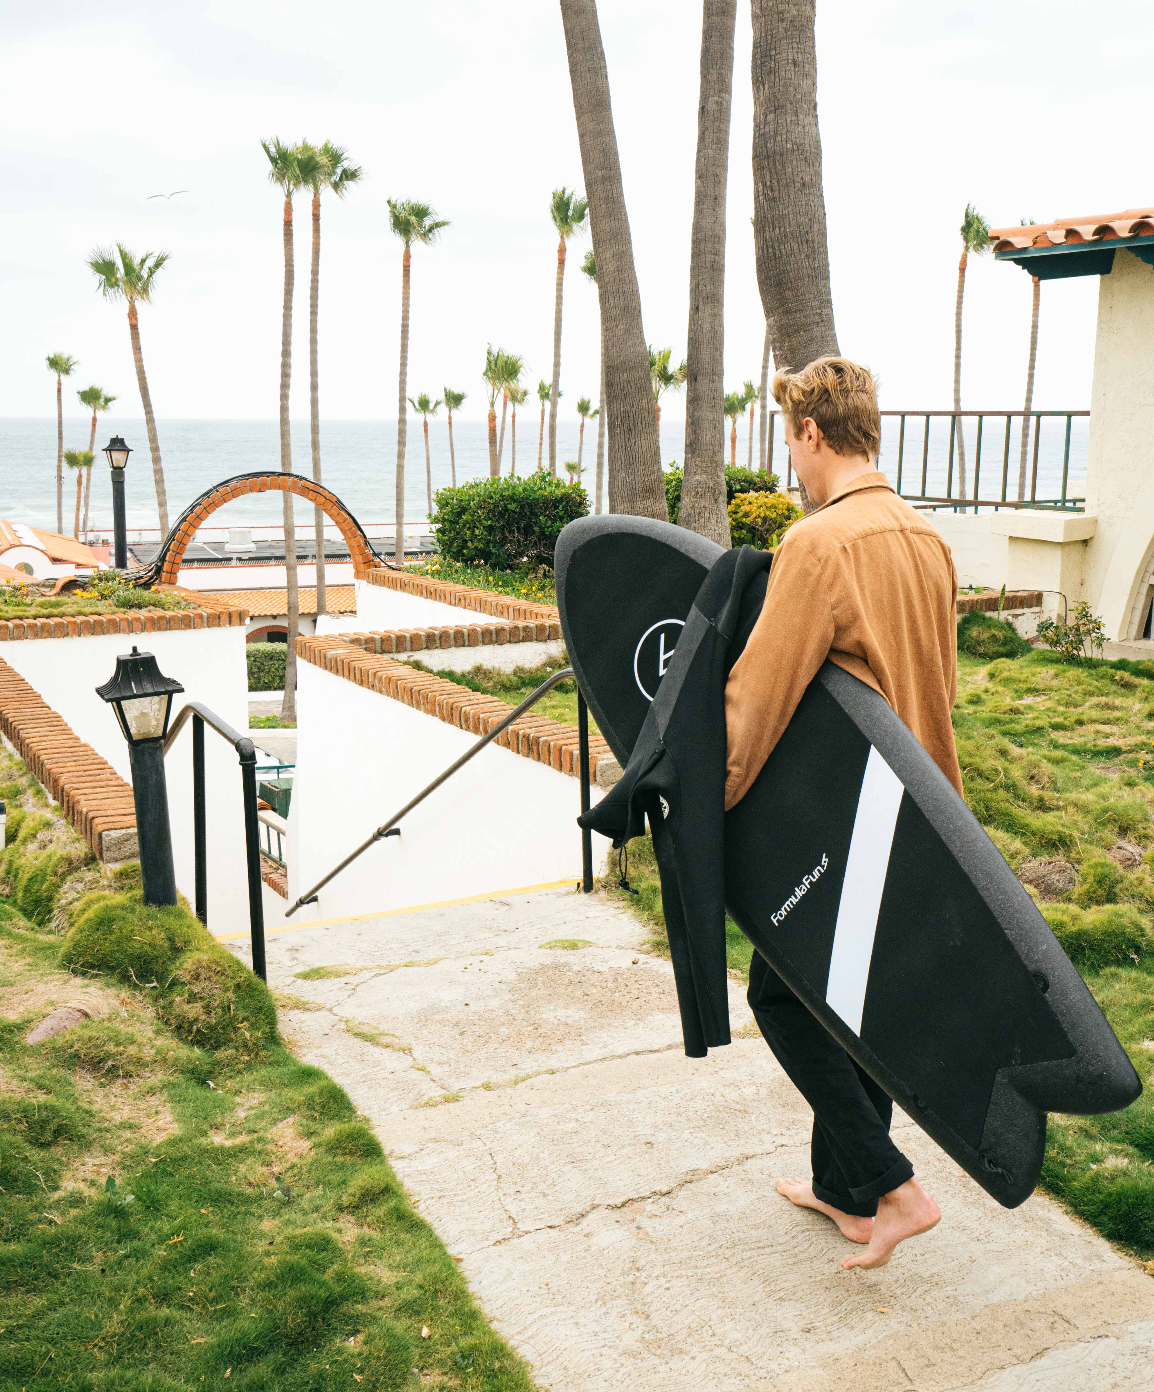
[(734, 406), (749, 395), (80, 460), (493, 376), (570, 214), (63, 366), (663, 378), (124, 276), (1035, 307), (512, 366), (585, 411), (636, 485), (517, 395), (589, 267), (322, 167), (427, 408), (543, 393), (975, 234), (412, 222), (98, 400), (453, 400), (703, 506), (286, 173)]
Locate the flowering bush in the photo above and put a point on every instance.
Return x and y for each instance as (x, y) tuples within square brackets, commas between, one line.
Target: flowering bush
[(737, 481), (761, 519)]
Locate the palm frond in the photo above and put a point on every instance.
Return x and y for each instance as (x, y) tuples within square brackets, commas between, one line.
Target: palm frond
[(510, 366), (589, 266), (61, 363), (95, 399), (312, 166), (975, 231), (414, 222), (734, 405), (103, 265), (341, 174), (284, 164), (517, 395), (569, 211), (749, 393), (584, 406), (453, 399), (78, 459), (544, 390)]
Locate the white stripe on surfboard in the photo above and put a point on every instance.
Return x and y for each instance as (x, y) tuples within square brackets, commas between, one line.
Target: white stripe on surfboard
[(861, 891)]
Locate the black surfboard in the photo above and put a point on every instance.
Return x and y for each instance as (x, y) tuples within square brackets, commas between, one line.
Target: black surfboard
[(864, 880)]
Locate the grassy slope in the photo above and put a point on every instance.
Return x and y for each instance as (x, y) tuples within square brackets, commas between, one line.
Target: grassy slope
[(266, 1239)]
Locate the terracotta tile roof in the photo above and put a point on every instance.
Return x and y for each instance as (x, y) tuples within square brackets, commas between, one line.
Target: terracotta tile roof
[(1070, 231), (342, 599), (11, 573), (57, 547)]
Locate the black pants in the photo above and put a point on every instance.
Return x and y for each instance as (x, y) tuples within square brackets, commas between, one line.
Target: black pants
[(854, 1161)]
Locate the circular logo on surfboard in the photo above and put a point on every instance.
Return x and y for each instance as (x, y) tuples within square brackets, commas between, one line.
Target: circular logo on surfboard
[(653, 653)]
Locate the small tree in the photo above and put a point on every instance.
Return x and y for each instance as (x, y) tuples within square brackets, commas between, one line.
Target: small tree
[(81, 461), (453, 400), (63, 366), (427, 407), (975, 234)]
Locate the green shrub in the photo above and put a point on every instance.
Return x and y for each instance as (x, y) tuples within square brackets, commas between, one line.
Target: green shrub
[(984, 636), (1098, 881), (119, 933), (214, 1001), (761, 519), (266, 665), (506, 522), (1077, 638), (736, 481), (1112, 935)]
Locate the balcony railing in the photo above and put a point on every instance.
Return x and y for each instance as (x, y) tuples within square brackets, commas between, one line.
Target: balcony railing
[(922, 452)]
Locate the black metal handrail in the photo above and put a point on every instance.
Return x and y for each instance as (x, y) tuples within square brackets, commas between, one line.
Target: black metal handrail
[(200, 715), (390, 827)]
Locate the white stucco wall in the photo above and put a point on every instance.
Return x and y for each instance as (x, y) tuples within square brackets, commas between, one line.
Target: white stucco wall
[(502, 822), (1120, 465), (261, 577), (210, 663), (501, 656), (979, 555), (378, 608)]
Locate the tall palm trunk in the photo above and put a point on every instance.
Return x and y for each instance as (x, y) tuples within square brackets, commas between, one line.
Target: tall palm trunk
[(657, 415), (59, 455), (555, 386), (314, 402), (961, 444), (763, 399), (288, 708), (703, 487), (494, 467), (452, 451), (636, 485), (513, 444), (88, 474), (428, 470), (789, 226), (749, 462), (1029, 387), (541, 437), (599, 483), (733, 443), (79, 486), (149, 418), (580, 447), (402, 407), (501, 441)]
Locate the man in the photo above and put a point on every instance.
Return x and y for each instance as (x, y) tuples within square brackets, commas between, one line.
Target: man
[(864, 582)]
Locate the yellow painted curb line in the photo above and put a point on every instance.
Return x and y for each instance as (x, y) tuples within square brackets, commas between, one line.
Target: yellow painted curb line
[(415, 908)]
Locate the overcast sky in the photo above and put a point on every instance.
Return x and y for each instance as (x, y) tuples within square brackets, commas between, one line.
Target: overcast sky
[(1025, 107)]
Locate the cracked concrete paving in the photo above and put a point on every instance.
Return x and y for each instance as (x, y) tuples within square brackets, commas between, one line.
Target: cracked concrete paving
[(613, 1201)]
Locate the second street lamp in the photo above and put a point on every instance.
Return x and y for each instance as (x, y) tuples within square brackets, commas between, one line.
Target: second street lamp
[(117, 452), (141, 695)]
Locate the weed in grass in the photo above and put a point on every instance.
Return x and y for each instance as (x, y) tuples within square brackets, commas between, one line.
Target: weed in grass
[(566, 944), (328, 973)]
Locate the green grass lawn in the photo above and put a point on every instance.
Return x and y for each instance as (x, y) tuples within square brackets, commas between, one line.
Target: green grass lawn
[(558, 704)]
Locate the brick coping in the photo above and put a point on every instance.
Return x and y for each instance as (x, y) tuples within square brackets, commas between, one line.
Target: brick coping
[(91, 794), (207, 615), (475, 635), (987, 601), (534, 737), (501, 606)]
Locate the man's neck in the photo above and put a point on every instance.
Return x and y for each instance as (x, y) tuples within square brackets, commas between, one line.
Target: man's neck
[(841, 470)]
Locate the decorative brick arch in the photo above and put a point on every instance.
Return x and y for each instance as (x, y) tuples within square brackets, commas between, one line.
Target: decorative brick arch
[(165, 569)]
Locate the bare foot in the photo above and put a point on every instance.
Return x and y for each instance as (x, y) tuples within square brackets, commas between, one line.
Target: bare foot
[(904, 1212), (800, 1192)]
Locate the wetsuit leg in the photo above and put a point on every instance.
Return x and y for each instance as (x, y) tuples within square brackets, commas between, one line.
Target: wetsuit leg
[(854, 1160)]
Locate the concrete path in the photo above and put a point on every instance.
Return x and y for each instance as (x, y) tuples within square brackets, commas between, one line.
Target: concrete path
[(613, 1201)]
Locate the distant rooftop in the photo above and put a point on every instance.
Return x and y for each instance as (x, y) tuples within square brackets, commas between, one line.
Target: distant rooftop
[(1076, 246), (340, 599)]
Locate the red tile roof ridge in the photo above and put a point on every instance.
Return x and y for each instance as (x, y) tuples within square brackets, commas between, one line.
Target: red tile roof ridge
[(1131, 222)]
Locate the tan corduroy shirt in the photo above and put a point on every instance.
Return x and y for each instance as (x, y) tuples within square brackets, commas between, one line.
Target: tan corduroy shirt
[(865, 582)]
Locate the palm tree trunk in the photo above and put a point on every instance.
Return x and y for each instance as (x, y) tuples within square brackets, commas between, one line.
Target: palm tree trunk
[(149, 418), (636, 485), (763, 421), (600, 476), (314, 402), (428, 470), (541, 437), (555, 387), (732, 445), (402, 407), (749, 464), (513, 444), (789, 227), (59, 455), (703, 486), (452, 451), (494, 468), (958, 374), (657, 414), (88, 474), (1029, 387), (580, 447), (501, 440), (289, 704)]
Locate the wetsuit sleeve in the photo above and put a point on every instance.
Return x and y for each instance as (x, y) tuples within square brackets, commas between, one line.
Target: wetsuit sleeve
[(791, 639)]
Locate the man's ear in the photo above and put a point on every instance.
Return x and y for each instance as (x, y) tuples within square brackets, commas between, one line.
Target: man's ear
[(811, 433)]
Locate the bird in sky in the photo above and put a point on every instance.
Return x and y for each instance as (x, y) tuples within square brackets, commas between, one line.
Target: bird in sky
[(166, 195)]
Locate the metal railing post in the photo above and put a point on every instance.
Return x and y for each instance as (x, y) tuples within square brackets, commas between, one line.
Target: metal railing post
[(199, 821), (901, 451), (978, 458), (925, 452), (950, 460), (1006, 461), (252, 854), (583, 751), (1066, 458)]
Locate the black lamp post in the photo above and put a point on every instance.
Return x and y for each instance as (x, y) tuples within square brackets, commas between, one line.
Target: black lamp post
[(141, 695), (117, 452)]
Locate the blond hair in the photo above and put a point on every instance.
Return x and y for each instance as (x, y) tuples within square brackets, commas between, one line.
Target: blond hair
[(839, 396)]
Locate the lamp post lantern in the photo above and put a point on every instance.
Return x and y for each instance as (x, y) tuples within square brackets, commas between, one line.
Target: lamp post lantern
[(117, 452), (141, 695)]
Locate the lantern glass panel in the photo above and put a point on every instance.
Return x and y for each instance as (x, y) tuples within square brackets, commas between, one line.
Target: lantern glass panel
[(145, 715)]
